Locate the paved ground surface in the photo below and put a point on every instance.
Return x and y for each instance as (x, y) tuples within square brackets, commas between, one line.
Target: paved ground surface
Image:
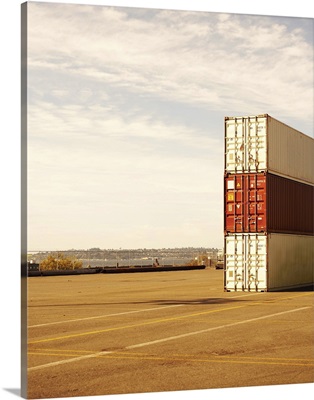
[(162, 331)]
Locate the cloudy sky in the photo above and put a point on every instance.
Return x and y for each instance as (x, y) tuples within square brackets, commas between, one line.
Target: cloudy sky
[(126, 112)]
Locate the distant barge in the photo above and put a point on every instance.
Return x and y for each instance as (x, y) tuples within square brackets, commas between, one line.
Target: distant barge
[(114, 270)]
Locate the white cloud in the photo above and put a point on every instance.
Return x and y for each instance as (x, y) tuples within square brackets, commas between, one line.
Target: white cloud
[(126, 115), (98, 140), (187, 57)]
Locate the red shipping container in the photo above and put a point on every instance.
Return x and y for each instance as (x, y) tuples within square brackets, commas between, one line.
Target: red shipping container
[(264, 202)]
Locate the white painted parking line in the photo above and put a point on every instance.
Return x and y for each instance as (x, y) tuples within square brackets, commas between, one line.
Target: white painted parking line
[(103, 316), (56, 363), (99, 354), (135, 346), (121, 313)]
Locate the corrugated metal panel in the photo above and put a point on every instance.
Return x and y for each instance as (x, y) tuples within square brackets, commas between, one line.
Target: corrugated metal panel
[(259, 262), (290, 152), (263, 144), (290, 206), (268, 203), (290, 261)]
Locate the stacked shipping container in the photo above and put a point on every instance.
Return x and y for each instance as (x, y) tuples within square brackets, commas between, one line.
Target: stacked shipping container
[(269, 176), (264, 202)]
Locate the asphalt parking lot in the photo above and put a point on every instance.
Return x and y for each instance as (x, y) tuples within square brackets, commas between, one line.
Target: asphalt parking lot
[(162, 331)]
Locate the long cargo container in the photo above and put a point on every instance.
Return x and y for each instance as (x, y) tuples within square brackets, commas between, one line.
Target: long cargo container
[(265, 202), (268, 262), (263, 144)]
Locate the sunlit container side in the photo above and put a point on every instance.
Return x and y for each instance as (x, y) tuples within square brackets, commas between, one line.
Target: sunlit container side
[(263, 144), (290, 206), (268, 262), (264, 202)]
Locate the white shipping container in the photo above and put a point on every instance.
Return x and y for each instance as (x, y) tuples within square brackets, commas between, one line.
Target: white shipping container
[(268, 262), (263, 144)]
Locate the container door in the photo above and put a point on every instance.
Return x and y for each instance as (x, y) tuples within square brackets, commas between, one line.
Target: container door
[(255, 144), (256, 263), (255, 189), (245, 144), (234, 262), (234, 203), (234, 145), (246, 262)]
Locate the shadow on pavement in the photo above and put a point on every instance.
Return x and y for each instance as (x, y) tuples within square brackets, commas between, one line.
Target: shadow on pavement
[(309, 288), (214, 300)]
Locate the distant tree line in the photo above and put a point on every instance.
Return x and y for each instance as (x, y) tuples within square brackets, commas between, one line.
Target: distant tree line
[(60, 262), (97, 253)]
